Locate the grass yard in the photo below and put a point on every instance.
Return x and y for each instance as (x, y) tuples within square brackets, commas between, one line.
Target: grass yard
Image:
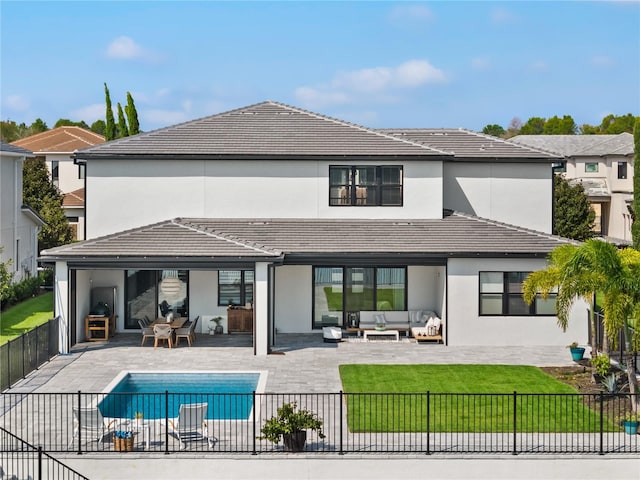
[(543, 404), (25, 316)]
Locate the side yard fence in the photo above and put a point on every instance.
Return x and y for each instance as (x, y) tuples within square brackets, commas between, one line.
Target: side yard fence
[(362, 423), (26, 353)]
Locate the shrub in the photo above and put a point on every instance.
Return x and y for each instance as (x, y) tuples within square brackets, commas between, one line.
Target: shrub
[(17, 292), (601, 364)]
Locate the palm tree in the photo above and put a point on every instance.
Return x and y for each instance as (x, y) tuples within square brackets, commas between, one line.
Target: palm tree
[(593, 266)]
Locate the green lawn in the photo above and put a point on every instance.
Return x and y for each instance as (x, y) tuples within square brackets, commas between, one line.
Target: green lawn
[(547, 406), (25, 316)]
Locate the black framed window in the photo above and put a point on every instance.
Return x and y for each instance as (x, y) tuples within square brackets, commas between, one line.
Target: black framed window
[(337, 291), (235, 287), (501, 294), (55, 172), (622, 170), (365, 186)]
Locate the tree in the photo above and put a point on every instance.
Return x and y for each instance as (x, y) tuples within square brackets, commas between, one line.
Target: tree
[(514, 127), (560, 126), (123, 131), (596, 266), (98, 127), (573, 216), (38, 126), (613, 125), (494, 130), (635, 226), (132, 116), (65, 122), (110, 126), (534, 126), (41, 195)]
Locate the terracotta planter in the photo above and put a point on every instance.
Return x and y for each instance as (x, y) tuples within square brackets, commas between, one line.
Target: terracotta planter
[(294, 442)]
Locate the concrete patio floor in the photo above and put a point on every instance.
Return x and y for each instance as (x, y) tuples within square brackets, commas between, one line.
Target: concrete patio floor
[(303, 363)]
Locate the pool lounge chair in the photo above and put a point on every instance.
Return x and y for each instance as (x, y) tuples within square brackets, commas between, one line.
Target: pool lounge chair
[(90, 420), (191, 423)]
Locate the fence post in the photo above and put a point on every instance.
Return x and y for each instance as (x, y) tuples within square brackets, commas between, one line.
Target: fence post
[(341, 452), (166, 422), (254, 452), (79, 422), (22, 337), (601, 452), (515, 425), (428, 422), (39, 462)]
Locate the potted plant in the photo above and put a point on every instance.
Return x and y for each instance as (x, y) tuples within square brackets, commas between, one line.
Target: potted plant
[(630, 422), (576, 352), (218, 330), (291, 425)]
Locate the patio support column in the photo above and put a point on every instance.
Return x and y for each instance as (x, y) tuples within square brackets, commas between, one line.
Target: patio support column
[(61, 304), (261, 309)]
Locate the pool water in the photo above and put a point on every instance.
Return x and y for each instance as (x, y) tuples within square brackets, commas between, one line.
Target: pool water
[(229, 395)]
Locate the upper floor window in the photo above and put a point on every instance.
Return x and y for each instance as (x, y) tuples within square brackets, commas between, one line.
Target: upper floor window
[(365, 185), (622, 170), (501, 294), (55, 172), (81, 171), (591, 167)]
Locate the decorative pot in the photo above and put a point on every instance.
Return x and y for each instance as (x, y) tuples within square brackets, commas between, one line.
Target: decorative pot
[(219, 330), (294, 442), (577, 353), (630, 427)]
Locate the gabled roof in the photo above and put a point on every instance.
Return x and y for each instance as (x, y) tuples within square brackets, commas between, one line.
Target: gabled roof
[(580, 145), (73, 199), (455, 235), (33, 215), (60, 140), (264, 130), (14, 151), (466, 144)]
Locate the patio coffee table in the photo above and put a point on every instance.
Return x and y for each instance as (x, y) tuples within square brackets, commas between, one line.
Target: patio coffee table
[(382, 333)]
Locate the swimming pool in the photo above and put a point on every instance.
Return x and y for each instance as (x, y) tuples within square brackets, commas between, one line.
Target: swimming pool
[(158, 395)]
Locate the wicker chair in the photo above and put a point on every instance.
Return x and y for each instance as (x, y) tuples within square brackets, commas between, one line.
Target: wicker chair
[(188, 332), (147, 331), (164, 332)]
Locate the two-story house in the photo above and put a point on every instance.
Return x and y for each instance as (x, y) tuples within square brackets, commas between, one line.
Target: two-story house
[(603, 165), (19, 224), (57, 146), (307, 217)]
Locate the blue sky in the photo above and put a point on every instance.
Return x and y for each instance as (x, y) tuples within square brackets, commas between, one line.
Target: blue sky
[(379, 64)]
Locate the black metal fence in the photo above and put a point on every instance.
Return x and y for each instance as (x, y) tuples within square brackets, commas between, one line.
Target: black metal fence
[(24, 354), (19, 459), (421, 423)]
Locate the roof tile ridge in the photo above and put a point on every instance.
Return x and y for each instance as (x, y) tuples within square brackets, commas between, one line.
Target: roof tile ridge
[(356, 126), (508, 142), (516, 228), (245, 244), (610, 138), (82, 139)]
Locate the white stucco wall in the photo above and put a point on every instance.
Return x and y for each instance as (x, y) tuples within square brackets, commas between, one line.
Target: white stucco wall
[(517, 194), (162, 190), (425, 287), (68, 172), (466, 327), (294, 299)]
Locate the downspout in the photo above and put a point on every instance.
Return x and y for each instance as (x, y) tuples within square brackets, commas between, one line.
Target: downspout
[(17, 200)]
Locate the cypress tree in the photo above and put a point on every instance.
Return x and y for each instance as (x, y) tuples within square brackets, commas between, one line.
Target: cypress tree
[(132, 116), (122, 125), (110, 128), (635, 226)]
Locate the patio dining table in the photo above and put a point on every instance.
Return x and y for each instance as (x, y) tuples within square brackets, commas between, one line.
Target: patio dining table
[(175, 323)]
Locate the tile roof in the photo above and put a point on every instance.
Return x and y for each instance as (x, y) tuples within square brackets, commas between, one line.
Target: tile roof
[(467, 144), (60, 140), (262, 130), (73, 199), (593, 186), (576, 145), (7, 148), (456, 234)]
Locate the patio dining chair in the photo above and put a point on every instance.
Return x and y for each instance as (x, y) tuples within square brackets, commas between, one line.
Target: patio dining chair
[(191, 423), (90, 420), (188, 332), (147, 331), (162, 332)]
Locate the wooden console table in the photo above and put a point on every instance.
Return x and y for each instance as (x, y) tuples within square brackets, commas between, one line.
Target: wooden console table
[(99, 328), (240, 320)]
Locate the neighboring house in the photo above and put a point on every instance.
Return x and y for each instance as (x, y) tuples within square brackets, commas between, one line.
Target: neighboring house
[(311, 219), (19, 224), (603, 165), (57, 146)]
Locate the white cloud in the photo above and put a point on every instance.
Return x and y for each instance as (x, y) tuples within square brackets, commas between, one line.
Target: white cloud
[(410, 13), (539, 66), (480, 63), (17, 103), (382, 83), (500, 16), (602, 61), (125, 48), (90, 113)]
